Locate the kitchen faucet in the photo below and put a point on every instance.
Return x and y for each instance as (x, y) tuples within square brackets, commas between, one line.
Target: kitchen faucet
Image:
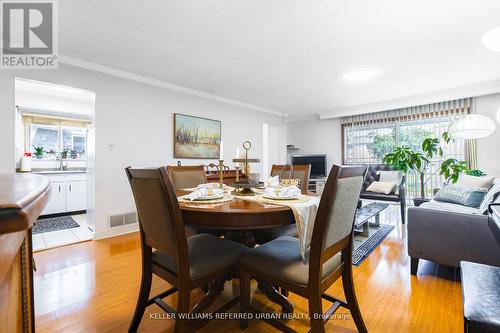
[(62, 167)]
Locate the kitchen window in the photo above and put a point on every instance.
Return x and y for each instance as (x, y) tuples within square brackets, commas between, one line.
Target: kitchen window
[(59, 137)]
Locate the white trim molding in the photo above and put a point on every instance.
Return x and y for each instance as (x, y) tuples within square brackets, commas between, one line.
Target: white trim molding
[(117, 231), (159, 83)]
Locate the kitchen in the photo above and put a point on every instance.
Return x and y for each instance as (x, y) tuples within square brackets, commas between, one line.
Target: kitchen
[(54, 131)]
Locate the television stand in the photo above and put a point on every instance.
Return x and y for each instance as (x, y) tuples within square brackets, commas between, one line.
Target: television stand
[(316, 185)]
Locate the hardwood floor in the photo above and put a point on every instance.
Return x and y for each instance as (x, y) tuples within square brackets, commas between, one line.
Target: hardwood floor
[(92, 287)]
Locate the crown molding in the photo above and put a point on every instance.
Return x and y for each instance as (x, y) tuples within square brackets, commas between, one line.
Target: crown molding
[(159, 83), (472, 90), (293, 119)]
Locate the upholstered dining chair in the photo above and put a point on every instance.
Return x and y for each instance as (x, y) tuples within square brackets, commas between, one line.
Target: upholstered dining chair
[(279, 262), (301, 172), (188, 176), (185, 263)]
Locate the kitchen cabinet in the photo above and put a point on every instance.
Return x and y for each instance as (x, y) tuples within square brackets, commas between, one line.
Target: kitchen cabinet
[(76, 195), (68, 193), (57, 198)]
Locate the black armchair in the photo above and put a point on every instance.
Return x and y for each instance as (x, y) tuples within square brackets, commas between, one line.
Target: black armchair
[(371, 176)]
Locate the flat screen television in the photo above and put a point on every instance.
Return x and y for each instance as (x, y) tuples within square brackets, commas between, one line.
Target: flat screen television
[(317, 161)]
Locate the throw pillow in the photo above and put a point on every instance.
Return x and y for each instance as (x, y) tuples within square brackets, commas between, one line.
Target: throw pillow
[(391, 177), (381, 187), (473, 181), (462, 195), (491, 196)]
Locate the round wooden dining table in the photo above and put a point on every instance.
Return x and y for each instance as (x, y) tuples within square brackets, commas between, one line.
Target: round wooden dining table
[(238, 218)]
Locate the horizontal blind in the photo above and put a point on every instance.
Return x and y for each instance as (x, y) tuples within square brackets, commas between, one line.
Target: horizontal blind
[(368, 137)]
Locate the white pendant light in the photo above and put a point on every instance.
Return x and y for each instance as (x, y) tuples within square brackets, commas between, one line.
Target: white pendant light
[(471, 126)]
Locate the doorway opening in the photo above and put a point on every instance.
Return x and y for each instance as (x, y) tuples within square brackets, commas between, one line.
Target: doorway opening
[(54, 138)]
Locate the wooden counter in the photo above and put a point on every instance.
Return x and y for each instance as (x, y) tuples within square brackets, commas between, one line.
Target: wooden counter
[(22, 199)]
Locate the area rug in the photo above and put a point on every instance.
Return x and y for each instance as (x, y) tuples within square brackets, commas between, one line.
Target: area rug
[(363, 246), (53, 224)]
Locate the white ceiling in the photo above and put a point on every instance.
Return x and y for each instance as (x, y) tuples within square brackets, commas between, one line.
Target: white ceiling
[(289, 56)]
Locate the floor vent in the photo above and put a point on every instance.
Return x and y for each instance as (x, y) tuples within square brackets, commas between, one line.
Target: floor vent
[(122, 219)]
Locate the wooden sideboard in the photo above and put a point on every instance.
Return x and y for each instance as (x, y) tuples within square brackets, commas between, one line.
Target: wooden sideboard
[(22, 199)]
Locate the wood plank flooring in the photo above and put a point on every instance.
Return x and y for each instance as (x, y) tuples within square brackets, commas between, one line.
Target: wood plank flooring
[(92, 287)]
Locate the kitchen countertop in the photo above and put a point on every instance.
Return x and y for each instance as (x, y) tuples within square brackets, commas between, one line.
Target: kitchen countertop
[(55, 171)]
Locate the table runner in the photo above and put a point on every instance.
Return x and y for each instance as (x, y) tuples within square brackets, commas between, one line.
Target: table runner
[(304, 212)]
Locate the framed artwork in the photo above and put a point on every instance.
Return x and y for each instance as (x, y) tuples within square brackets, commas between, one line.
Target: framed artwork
[(196, 137)]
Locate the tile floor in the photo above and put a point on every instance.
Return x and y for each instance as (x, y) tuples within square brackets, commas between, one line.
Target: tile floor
[(48, 240)]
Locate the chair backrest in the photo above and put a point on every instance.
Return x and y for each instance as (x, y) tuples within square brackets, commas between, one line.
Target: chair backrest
[(334, 224), (187, 176), (160, 217), (301, 172)]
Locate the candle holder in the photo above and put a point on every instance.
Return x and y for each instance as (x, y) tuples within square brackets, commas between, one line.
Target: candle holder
[(245, 187), (221, 175)]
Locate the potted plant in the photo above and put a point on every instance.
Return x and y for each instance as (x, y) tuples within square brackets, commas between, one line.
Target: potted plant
[(39, 151), (405, 159)]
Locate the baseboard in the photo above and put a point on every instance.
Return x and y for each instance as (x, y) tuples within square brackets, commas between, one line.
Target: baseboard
[(117, 231)]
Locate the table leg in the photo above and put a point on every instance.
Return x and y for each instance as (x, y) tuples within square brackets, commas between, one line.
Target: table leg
[(247, 237), (366, 229), (377, 220)]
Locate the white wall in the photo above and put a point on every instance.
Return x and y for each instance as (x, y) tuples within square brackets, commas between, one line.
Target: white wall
[(488, 149), (315, 136), (133, 126)]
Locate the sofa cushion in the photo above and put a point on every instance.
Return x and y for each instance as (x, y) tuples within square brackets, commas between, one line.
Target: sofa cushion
[(395, 176), (381, 187), (449, 207), (474, 181), (491, 196), (460, 194)]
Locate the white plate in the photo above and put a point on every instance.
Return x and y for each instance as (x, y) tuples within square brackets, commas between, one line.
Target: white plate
[(210, 197), (277, 197)]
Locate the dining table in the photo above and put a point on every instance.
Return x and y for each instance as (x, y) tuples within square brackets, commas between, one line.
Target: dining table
[(239, 218)]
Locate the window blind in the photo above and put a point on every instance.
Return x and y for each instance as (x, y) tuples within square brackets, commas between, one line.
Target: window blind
[(368, 137)]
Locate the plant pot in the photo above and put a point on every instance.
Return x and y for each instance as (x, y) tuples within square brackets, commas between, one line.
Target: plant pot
[(418, 201), (38, 157)]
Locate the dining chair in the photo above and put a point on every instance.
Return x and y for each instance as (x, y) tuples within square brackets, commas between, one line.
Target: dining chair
[(300, 172), (279, 262), (185, 263), (188, 176)]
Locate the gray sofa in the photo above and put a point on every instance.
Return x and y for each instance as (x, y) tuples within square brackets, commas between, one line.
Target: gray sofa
[(448, 233)]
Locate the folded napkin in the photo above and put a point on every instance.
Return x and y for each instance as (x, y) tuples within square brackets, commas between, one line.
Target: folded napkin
[(285, 192), (273, 181), (204, 192), (210, 185)]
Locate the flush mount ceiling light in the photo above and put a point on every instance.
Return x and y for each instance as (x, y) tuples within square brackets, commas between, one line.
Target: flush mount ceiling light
[(471, 126), (491, 39), (360, 74)]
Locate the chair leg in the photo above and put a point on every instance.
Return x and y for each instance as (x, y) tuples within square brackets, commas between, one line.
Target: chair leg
[(142, 300), (316, 314), (413, 266), (244, 296), (183, 298), (403, 213), (350, 296)]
